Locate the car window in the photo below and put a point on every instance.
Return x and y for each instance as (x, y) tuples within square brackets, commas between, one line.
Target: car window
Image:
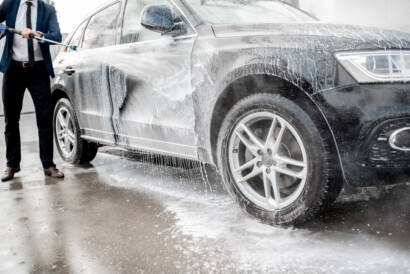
[(76, 37), (131, 22), (102, 28), (132, 30), (246, 11)]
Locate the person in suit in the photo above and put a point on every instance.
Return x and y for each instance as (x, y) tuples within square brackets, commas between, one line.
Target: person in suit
[(26, 64)]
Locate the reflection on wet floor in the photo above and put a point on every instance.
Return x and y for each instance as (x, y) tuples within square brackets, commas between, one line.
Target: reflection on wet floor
[(387, 217), (129, 212), (16, 186)]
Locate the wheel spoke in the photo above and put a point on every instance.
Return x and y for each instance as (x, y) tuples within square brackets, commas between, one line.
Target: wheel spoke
[(252, 137), (267, 186), (60, 135), (290, 161), (71, 136), (246, 165), (289, 172), (275, 186), (252, 148), (255, 172), (269, 139), (67, 119), (61, 120), (278, 140), (67, 144)]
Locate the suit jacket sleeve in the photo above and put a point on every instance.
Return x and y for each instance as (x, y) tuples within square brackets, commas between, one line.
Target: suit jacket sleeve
[(5, 9), (54, 32)]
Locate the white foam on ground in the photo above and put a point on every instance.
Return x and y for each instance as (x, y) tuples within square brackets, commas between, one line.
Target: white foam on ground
[(218, 226), (256, 246)]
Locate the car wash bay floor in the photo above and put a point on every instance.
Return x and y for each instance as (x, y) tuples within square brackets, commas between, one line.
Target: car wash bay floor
[(126, 213)]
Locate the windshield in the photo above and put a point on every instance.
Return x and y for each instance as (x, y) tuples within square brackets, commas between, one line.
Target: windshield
[(234, 12)]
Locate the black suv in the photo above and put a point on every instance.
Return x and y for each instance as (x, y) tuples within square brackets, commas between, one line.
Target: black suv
[(288, 108)]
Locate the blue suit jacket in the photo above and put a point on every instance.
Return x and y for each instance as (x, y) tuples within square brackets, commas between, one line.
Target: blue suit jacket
[(47, 23)]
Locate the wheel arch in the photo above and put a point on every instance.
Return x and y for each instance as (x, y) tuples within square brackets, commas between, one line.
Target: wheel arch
[(57, 93), (246, 85)]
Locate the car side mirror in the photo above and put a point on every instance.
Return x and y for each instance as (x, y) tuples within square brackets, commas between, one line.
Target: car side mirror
[(159, 18)]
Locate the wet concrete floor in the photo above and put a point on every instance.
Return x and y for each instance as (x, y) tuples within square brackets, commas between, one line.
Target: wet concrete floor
[(128, 213)]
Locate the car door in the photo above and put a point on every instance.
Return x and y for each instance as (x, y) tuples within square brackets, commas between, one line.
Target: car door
[(64, 65), (150, 78), (89, 70)]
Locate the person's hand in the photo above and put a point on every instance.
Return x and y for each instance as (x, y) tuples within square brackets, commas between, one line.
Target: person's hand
[(26, 33)]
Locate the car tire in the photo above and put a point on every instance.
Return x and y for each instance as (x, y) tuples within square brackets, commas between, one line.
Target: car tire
[(67, 135), (311, 180)]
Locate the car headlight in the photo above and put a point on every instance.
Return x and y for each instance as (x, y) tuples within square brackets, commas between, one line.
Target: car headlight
[(377, 66)]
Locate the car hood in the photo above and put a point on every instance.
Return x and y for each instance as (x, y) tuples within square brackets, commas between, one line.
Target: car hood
[(367, 36)]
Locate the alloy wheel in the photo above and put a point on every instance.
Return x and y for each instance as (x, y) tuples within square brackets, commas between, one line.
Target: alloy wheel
[(268, 160), (65, 132)]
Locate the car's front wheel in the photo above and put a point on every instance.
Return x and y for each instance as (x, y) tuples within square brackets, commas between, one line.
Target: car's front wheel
[(275, 161), (67, 135)]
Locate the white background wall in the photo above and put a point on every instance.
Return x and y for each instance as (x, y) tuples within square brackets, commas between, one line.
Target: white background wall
[(392, 14)]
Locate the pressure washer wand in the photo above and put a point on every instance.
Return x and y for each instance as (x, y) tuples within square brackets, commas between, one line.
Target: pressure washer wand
[(41, 39)]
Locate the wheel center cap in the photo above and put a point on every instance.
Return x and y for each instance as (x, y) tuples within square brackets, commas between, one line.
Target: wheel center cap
[(267, 160)]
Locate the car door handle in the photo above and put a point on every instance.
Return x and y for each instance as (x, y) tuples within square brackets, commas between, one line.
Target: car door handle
[(69, 71)]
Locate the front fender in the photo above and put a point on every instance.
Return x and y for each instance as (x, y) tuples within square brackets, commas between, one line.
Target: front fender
[(217, 63)]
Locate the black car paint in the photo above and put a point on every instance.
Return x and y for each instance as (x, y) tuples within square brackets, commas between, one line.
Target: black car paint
[(302, 54)]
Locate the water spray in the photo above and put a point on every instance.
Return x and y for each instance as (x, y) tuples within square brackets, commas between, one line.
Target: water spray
[(4, 29)]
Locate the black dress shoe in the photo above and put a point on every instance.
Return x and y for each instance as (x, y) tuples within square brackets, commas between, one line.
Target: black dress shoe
[(9, 174), (53, 172)]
